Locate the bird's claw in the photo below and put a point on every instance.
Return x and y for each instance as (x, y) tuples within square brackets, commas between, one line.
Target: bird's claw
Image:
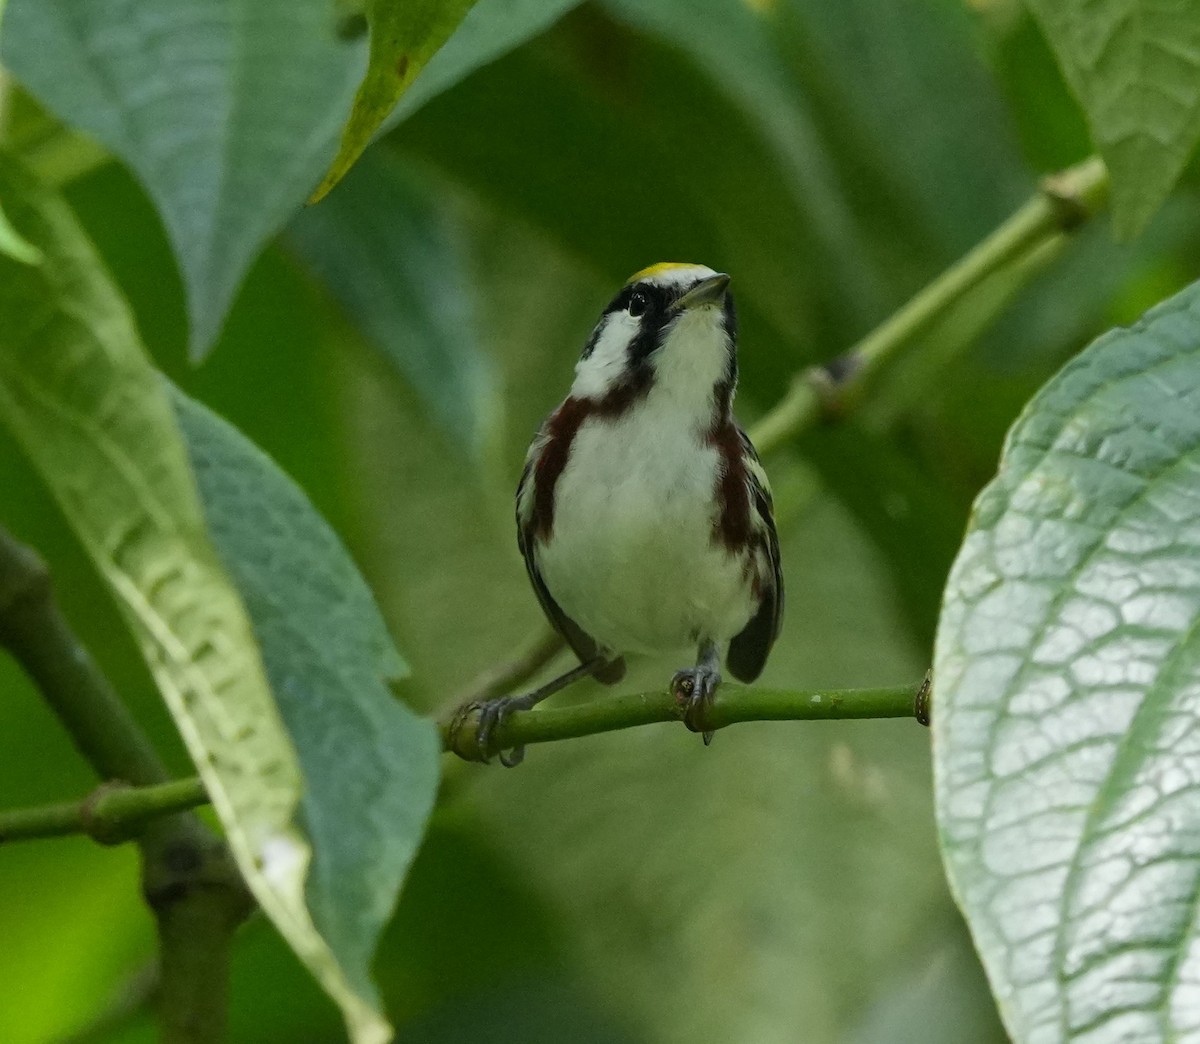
[(492, 713), (693, 688)]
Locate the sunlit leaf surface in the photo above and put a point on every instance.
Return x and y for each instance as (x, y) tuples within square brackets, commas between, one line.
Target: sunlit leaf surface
[(1067, 698)]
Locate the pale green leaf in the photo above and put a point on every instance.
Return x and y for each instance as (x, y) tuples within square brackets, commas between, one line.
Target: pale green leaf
[(227, 111), (1067, 698), (370, 765), (404, 36), (80, 394), (392, 259), (1134, 65)]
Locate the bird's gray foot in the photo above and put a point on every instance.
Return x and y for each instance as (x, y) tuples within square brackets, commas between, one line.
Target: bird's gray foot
[(492, 713), (693, 688), (496, 712)]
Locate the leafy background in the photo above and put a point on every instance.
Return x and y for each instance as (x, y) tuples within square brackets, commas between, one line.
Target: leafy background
[(394, 347)]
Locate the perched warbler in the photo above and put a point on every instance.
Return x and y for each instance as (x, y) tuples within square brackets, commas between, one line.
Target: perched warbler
[(643, 513)]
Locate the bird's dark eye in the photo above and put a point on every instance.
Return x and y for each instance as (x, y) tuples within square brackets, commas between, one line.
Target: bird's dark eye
[(638, 303)]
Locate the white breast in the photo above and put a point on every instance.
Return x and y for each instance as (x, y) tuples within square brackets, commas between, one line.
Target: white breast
[(632, 557)]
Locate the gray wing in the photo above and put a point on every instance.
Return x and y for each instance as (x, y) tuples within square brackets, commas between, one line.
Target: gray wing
[(582, 643), (749, 649)]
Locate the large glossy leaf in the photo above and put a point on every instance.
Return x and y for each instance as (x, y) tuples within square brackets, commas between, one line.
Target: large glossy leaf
[(1135, 67), (227, 110), (1067, 697), (404, 36), (78, 391), (370, 765), (390, 255)]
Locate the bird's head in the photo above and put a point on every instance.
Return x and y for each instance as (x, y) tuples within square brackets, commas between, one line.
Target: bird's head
[(672, 329)]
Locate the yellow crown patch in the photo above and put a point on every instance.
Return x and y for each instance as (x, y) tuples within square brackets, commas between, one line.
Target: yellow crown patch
[(662, 266)]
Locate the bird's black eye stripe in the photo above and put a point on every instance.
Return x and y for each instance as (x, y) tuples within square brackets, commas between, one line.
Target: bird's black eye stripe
[(638, 299), (619, 303), (647, 303)]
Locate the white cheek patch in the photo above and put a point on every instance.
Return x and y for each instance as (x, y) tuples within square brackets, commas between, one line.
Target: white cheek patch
[(596, 374)]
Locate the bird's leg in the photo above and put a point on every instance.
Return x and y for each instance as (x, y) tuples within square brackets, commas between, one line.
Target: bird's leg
[(694, 687), (496, 711)]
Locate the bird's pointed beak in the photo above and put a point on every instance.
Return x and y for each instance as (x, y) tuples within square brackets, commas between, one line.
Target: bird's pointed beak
[(707, 291)]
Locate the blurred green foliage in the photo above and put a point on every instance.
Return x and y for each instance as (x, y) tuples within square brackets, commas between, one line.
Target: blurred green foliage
[(394, 349)]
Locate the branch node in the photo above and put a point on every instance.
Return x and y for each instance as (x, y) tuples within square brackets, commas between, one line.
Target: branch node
[(95, 819), (1071, 193), (457, 725), (185, 858), (829, 381), (922, 703)]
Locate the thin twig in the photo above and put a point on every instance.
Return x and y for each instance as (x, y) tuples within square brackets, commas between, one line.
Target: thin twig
[(731, 705), (39, 638), (112, 813), (1063, 203)]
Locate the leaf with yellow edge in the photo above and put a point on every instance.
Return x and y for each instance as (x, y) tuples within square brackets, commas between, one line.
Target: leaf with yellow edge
[(94, 416), (404, 36)]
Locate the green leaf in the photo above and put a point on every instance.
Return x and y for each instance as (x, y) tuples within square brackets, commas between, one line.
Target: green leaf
[(1066, 711), (404, 36), (1134, 65), (16, 247), (80, 394), (389, 255), (370, 765), (490, 29), (227, 110), (11, 242)]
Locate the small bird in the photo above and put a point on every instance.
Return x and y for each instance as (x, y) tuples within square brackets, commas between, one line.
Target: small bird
[(643, 513)]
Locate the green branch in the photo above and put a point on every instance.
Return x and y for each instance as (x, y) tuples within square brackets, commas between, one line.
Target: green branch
[(112, 813), (1063, 203), (39, 638), (732, 704)]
